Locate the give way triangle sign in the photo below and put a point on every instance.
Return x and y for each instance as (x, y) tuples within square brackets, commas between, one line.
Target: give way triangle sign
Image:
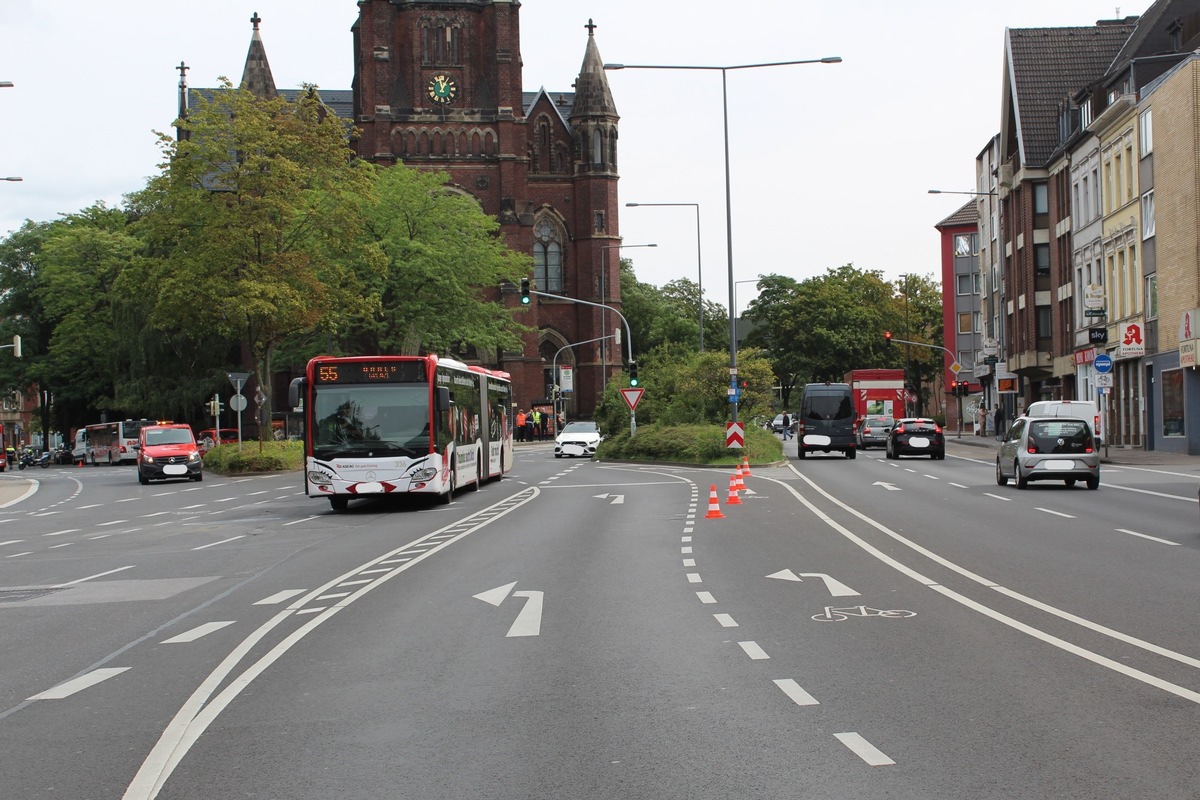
[(632, 396)]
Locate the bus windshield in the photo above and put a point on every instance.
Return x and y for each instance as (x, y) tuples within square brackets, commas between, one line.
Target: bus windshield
[(371, 420)]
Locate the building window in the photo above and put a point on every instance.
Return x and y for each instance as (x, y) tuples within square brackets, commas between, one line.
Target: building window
[(1172, 401), (963, 283), (1041, 258), (547, 258), (1145, 134), (965, 322), (962, 245), (1043, 322), (1152, 297), (1041, 199), (440, 43), (1148, 214)]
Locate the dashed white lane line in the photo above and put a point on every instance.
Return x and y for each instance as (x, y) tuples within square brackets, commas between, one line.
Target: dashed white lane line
[(60, 533), (113, 522), (753, 650), (79, 684), (196, 633), (998, 497), (11, 541), (694, 577), (279, 597), (1055, 513), (958, 485), (18, 555), (706, 597), (223, 541), (864, 749), (689, 562), (797, 694), (726, 620), (1134, 533)]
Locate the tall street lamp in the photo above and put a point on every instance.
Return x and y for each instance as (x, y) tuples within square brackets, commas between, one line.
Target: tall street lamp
[(604, 310), (728, 203), (699, 268), (906, 336)]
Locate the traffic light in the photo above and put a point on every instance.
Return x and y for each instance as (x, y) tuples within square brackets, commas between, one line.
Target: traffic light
[(887, 337), (633, 378), (524, 291)]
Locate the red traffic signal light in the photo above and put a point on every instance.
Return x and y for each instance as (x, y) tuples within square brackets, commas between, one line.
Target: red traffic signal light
[(887, 337)]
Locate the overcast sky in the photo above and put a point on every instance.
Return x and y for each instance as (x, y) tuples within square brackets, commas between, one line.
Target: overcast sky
[(830, 163)]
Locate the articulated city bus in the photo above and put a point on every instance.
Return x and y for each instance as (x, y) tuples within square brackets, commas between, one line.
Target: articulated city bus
[(377, 425), (112, 442)]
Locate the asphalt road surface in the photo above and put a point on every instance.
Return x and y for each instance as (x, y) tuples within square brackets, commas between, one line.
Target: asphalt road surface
[(580, 629)]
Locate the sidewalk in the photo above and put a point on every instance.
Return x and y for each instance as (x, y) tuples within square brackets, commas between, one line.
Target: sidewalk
[(1108, 455)]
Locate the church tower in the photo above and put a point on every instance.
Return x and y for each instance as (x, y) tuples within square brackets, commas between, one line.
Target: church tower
[(438, 86)]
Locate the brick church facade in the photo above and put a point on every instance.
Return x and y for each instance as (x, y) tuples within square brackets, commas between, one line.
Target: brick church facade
[(438, 86)]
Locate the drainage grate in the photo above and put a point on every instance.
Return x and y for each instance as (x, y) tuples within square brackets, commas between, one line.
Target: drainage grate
[(17, 595)]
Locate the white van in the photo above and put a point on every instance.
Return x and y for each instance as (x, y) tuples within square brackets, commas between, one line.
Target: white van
[(79, 448), (1080, 409)]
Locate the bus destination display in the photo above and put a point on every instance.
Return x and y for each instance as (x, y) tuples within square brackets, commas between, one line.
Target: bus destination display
[(370, 372)]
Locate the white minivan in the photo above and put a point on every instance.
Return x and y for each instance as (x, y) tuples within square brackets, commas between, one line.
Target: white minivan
[(1080, 409)]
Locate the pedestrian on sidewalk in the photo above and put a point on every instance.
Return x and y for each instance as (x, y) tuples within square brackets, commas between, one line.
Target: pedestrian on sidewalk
[(787, 426)]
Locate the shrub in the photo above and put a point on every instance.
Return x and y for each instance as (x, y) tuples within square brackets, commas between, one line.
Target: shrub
[(227, 459), (688, 444)]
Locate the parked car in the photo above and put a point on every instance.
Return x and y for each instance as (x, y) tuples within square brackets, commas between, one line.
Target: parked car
[(826, 420), (919, 436), (1049, 449), (873, 430), (62, 454), (579, 438), (168, 451)]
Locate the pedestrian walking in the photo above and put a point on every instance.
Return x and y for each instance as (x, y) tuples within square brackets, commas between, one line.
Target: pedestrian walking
[(999, 419), (787, 426), (520, 425), (981, 421)]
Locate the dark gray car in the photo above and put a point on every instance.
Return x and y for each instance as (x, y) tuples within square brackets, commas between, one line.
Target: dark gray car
[(826, 421)]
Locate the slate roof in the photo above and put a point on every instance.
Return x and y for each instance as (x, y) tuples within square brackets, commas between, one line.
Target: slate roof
[(1049, 65), (968, 214)]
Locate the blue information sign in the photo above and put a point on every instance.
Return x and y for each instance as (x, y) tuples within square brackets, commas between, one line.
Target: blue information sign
[(1103, 363)]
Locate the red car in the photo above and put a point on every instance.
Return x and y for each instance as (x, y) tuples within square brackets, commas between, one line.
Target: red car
[(210, 437)]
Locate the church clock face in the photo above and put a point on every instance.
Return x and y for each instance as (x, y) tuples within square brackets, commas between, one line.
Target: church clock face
[(442, 89)]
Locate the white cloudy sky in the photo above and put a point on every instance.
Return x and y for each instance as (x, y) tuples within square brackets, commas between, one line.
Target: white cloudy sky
[(830, 164)]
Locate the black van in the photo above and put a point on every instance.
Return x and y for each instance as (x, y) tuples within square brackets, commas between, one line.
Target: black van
[(826, 420)]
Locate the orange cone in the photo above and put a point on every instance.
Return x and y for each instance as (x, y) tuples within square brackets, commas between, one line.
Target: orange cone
[(741, 487), (733, 499), (746, 467), (714, 507)]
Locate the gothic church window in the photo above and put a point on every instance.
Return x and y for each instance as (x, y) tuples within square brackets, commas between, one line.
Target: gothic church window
[(548, 257), (440, 42)]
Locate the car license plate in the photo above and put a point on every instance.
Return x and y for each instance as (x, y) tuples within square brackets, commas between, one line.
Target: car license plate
[(174, 469), (814, 439), (572, 450), (1058, 466), (918, 441)]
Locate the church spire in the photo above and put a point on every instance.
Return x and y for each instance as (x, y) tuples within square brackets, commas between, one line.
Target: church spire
[(257, 75), (593, 98)]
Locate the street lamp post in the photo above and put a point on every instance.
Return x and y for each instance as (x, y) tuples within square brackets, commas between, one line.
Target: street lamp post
[(699, 268), (728, 203), (604, 309), (907, 335)]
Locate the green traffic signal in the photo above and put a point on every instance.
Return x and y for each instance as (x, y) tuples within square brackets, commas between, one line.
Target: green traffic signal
[(633, 376), (524, 291)]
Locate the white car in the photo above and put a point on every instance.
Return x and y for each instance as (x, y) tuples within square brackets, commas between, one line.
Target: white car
[(577, 439)]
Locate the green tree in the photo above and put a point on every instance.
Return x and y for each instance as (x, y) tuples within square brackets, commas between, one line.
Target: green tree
[(253, 225), (439, 253)]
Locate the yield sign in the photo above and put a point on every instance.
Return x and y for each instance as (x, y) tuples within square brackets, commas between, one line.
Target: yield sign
[(632, 397)]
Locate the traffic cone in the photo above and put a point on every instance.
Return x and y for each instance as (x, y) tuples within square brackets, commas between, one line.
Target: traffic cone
[(714, 507), (741, 486), (733, 499), (746, 467)]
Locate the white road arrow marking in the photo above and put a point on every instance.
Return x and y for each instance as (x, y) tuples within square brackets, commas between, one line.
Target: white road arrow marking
[(529, 621), (496, 596), (888, 486), (835, 587), (617, 499), (785, 575)]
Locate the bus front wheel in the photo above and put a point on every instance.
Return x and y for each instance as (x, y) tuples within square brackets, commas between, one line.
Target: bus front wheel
[(339, 503)]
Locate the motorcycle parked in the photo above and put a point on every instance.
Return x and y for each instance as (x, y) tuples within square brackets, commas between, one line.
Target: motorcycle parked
[(30, 458)]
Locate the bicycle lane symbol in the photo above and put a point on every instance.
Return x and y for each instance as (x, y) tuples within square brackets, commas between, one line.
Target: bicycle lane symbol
[(832, 614)]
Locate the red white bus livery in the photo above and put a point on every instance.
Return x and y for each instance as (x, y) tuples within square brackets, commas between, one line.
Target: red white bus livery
[(401, 424)]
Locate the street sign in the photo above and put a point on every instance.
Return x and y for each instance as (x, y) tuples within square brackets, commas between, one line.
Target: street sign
[(1104, 380), (735, 434), (956, 367), (1094, 312), (991, 359), (632, 397), (238, 402), (1102, 363), (238, 379)]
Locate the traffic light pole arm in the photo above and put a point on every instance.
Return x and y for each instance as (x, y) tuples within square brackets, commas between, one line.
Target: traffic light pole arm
[(628, 335), (945, 350)]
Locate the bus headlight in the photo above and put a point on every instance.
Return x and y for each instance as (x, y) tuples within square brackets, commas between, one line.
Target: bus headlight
[(319, 478), (424, 474)]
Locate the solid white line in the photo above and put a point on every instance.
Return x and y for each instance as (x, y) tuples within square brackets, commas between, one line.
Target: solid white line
[(79, 684), (706, 597), (223, 541), (726, 620), (1152, 494), (196, 633), (864, 749), (1095, 658), (796, 693), (97, 575), (694, 577), (279, 597), (1147, 536), (1055, 513), (753, 650)]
